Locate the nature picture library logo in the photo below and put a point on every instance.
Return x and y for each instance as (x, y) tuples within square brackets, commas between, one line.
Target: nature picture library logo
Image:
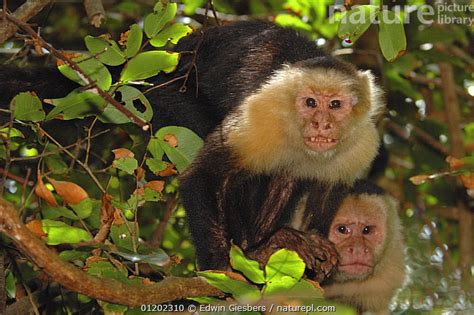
[(441, 12)]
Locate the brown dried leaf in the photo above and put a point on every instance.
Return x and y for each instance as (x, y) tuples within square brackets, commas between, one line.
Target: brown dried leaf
[(467, 180), (454, 163), (118, 220), (139, 191), (171, 140), (71, 193), (147, 281), (140, 173), (168, 171), (122, 153), (106, 209), (419, 179), (44, 193), (156, 185), (123, 38), (36, 227), (60, 62)]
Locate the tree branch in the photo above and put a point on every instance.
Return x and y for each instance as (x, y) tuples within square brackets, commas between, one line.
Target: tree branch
[(95, 12), (170, 289), (438, 83), (453, 115), (25, 12)]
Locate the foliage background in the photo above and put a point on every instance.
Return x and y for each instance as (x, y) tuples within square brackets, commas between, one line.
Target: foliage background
[(417, 131)]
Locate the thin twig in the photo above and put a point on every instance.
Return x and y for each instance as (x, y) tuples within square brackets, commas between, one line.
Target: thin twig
[(72, 156), (25, 12), (157, 236), (193, 61), (164, 84), (88, 80), (54, 152), (89, 132)]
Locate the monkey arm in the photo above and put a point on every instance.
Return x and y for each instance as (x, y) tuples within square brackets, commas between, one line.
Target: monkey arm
[(199, 189), (46, 82), (316, 251)]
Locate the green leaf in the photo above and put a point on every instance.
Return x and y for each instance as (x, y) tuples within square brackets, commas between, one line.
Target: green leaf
[(190, 6), (155, 165), (284, 263), (158, 257), (53, 213), (27, 106), (304, 289), (105, 269), (279, 285), (154, 147), (83, 209), (242, 291), (392, 39), (129, 95), (152, 195), (172, 33), (126, 164), (11, 132), (121, 236), (289, 20), (71, 255), (355, 22), (76, 105), (148, 64), (134, 41), (90, 66), (56, 164), (61, 233), (105, 50), (154, 22), (187, 148), (250, 268), (10, 285)]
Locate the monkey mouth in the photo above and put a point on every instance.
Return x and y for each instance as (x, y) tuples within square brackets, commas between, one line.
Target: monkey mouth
[(320, 143), (355, 268)]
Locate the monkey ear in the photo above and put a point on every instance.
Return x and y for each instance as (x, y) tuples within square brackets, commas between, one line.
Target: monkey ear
[(371, 94)]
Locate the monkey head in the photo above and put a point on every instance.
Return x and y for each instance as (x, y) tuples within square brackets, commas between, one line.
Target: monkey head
[(367, 234), (359, 234), (308, 117)]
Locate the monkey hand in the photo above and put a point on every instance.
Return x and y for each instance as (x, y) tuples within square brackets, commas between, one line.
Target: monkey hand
[(326, 257), (317, 252)]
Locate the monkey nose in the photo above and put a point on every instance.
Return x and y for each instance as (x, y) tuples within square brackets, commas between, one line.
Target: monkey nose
[(323, 125)]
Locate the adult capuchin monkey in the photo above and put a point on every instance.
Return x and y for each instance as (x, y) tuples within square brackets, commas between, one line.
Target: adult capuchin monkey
[(368, 237), (294, 120), (281, 117)]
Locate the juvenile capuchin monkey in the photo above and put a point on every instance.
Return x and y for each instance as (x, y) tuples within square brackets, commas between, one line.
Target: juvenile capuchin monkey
[(368, 238)]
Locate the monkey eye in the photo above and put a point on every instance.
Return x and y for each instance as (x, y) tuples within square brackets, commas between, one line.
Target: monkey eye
[(366, 230), (334, 104), (311, 102), (342, 229)]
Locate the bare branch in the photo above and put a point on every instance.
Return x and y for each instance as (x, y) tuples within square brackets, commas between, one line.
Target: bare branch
[(95, 12), (71, 277), (439, 83), (25, 12), (453, 115)]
